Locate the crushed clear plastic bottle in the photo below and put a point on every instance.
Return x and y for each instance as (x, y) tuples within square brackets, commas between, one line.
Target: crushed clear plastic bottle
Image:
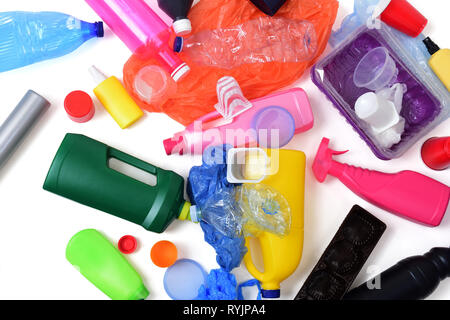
[(261, 40), (223, 212), (247, 210), (264, 210)]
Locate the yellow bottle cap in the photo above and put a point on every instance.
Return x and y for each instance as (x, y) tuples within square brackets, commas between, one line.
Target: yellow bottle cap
[(184, 214)]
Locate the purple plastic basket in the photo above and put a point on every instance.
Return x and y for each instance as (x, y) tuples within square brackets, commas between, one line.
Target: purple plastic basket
[(424, 105)]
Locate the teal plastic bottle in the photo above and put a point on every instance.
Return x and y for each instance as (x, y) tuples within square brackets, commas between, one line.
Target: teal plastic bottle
[(80, 172)]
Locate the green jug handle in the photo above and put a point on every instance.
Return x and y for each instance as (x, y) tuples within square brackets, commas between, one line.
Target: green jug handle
[(135, 162)]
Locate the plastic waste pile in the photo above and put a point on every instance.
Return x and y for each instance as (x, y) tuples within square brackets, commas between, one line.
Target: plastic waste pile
[(217, 67)]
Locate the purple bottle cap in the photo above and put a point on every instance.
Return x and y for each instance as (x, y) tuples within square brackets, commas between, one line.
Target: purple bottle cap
[(274, 127)]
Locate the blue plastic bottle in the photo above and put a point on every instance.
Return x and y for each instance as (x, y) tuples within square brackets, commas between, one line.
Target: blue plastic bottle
[(30, 37)]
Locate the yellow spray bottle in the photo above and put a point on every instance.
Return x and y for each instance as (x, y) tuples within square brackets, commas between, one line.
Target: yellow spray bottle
[(281, 255)]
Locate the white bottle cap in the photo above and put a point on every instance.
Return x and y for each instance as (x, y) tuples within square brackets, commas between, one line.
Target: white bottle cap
[(182, 27), (377, 111), (97, 75), (180, 72)]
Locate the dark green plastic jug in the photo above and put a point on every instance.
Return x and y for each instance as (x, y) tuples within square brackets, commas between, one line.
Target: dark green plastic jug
[(80, 172)]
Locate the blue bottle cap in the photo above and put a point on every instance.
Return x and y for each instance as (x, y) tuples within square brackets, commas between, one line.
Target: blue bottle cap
[(183, 279), (271, 294), (178, 44), (99, 29)]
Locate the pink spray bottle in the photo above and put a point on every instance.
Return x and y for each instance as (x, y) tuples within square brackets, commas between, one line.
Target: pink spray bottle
[(142, 30), (406, 193)]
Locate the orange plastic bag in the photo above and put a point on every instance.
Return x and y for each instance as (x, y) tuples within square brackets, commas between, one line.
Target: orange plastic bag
[(196, 94)]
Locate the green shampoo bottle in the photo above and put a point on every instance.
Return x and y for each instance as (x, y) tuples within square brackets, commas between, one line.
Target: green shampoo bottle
[(80, 171), (103, 265)]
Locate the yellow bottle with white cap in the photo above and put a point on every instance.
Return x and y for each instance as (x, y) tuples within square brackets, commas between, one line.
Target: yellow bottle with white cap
[(281, 255), (116, 99)]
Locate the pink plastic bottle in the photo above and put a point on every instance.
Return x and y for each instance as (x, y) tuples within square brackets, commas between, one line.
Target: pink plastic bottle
[(289, 112), (407, 193), (142, 30)]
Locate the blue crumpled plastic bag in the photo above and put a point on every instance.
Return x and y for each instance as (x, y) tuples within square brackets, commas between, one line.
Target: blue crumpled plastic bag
[(230, 251), (220, 285), (204, 183), (211, 177)]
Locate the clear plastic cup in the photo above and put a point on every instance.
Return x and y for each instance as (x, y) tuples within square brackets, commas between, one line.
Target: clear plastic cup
[(153, 85), (375, 70)]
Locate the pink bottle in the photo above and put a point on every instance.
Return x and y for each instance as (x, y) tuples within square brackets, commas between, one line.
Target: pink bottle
[(271, 122), (142, 30), (407, 193)]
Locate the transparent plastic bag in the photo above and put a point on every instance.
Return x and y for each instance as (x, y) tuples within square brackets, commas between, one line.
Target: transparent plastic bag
[(261, 40), (362, 14)]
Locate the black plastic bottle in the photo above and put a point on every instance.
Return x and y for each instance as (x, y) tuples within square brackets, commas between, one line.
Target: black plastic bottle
[(178, 11), (269, 7), (413, 278)]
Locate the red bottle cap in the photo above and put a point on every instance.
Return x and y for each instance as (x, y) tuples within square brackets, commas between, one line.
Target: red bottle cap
[(401, 15), (79, 106), (127, 244), (436, 153)]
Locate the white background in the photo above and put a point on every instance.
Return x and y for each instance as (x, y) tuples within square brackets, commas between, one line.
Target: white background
[(35, 225)]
